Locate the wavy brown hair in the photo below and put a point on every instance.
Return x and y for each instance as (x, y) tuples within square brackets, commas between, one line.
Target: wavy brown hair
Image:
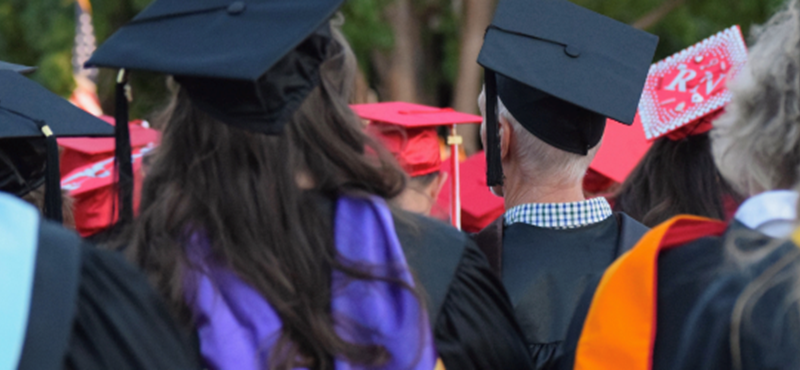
[(756, 143), (258, 199), (757, 146), (675, 177)]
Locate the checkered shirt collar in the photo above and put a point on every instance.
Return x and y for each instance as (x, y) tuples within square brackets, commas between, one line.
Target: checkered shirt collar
[(560, 215)]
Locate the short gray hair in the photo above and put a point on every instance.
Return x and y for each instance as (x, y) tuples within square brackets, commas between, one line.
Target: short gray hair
[(756, 143), (537, 157)]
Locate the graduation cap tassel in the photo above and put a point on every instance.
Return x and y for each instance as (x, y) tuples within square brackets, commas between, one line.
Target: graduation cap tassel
[(52, 196), (123, 166), (494, 165)]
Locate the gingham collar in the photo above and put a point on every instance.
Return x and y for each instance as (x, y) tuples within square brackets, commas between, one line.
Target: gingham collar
[(560, 215)]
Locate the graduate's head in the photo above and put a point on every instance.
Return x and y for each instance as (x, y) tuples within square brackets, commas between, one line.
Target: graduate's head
[(560, 70), (421, 193), (321, 143), (756, 142), (23, 165), (411, 133), (417, 151), (526, 155), (255, 188), (32, 119)]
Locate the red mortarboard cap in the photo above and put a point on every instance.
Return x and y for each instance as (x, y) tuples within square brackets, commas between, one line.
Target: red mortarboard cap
[(92, 188), (416, 149), (621, 150), (419, 122), (479, 207), (410, 115), (691, 84), (408, 131), (79, 152)]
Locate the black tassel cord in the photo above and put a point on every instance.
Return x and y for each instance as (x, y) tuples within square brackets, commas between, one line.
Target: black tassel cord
[(123, 166), (494, 165)]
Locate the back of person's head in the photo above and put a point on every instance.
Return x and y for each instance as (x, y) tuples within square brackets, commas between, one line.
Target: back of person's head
[(22, 173), (756, 143), (675, 177), (257, 199), (538, 160), (421, 194)]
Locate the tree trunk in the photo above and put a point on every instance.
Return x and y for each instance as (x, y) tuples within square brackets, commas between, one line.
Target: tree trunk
[(657, 14), (362, 93), (477, 15), (398, 74)]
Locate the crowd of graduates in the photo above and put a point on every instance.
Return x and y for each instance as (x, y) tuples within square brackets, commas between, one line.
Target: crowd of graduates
[(623, 215)]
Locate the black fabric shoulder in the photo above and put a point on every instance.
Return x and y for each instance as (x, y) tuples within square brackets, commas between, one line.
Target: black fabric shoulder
[(768, 328), (55, 287), (433, 250), (631, 231), (473, 321), (477, 328), (683, 274), (564, 359), (120, 322)]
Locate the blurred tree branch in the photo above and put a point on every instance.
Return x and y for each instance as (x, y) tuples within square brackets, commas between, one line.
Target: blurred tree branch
[(476, 16), (657, 14)]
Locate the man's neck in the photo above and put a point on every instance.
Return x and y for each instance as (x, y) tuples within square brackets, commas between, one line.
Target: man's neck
[(522, 192)]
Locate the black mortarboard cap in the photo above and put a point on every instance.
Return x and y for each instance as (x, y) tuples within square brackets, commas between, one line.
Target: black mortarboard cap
[(6, 66), (31, 117), (248, 63), (561, 70)]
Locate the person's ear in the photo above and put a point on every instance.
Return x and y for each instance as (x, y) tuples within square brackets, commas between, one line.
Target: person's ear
[(505, 137), (436, 186), (482, 131)]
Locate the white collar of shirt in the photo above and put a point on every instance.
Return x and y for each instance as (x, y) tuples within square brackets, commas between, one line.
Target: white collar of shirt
[(773, 213)]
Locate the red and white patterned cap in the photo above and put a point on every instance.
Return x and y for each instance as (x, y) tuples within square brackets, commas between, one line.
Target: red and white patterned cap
[(691, 84)]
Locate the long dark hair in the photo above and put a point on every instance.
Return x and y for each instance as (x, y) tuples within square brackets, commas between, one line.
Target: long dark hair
[(257, 200), (675, 177)]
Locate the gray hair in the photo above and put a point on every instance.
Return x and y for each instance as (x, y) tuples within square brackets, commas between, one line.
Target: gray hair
[(537, 157), (756, 143)]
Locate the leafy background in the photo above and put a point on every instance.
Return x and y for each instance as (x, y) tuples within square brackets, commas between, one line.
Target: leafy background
[(407, 49)]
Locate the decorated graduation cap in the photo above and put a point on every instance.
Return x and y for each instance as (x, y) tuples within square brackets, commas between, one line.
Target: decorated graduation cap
[(31, 117), (409, 132), (91, 187), (684, 92), (78, 152), (416, 150), (479, 207), (560, 70), (247, 63)]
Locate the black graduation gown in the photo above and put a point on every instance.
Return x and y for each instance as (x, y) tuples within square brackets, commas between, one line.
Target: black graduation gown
[(769, 328), (685, 274), (545, 272), (473, 322), (92, 310)]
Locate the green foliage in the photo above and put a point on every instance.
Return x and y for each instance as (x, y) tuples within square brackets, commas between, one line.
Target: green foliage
[(41, 32), (149, 89), (440, 38), (690, 22), (367, 29)]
